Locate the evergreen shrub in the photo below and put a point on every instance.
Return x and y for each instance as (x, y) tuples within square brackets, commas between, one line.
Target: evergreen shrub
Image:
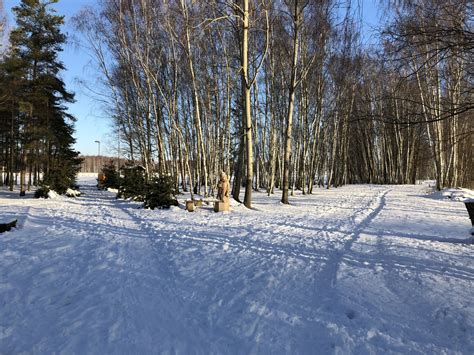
[(161, 192), (42, 192), (112, 177), (132, 183)]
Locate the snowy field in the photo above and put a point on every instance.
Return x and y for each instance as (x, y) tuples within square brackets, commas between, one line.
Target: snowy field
[(359, 269)]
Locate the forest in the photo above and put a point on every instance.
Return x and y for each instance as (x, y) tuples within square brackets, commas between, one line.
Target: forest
[(279, 177), (280, 95)]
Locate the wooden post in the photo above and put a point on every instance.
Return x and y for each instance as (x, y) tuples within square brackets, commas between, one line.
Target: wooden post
[(190, 206), (221, 206)]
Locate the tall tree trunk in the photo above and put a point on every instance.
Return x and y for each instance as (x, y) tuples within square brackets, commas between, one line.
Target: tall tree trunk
[(247, 117), (195, 97), (291, 102)]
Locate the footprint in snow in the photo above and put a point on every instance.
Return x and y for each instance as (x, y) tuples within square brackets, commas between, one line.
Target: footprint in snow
[(351, 314)]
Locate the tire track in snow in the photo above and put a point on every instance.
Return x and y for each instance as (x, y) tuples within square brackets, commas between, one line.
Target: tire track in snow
[(215, 296), (194, 313), (139, 274), (107, 258), (265, 302), (240, 245), (116, 263), (328, 308), (410, 270), (187, 307), (171, 294), (328, 276)]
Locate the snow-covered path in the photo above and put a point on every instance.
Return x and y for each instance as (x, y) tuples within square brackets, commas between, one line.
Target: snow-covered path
[(360, 269)]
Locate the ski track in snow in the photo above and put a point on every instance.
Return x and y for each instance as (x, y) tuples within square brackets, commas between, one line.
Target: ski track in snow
[(359, 269)]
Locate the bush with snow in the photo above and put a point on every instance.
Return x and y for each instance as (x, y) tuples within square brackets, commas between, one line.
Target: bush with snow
[(47, 192), (42, 192), (53, 194)]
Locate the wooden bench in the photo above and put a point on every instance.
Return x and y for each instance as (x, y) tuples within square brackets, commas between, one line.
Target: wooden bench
[(192, 204), (219, 206)]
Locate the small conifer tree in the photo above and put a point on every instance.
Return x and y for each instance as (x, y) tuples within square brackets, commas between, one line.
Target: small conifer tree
[(111, 175), (161, 192), (132, 183)]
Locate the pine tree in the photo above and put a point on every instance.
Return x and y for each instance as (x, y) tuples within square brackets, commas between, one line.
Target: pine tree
[(13, 74), (161, 192), (45, 128)]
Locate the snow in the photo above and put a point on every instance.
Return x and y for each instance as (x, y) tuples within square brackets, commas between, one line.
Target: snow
[(53, 195), (457, 194), (359, 269), (73, 193)]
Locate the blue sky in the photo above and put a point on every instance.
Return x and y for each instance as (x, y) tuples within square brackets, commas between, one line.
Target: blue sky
[(91, 123)]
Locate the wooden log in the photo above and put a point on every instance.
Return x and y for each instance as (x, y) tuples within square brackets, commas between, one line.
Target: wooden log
[(190, 206), (5, 227)]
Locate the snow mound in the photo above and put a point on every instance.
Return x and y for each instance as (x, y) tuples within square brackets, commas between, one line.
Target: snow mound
[(234, 203), (454, 194), (53, 194), (110, 189), (73, 193)]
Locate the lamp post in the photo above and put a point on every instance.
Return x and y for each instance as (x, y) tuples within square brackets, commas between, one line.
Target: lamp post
[(118, 149), (98, 155), (98, 142)]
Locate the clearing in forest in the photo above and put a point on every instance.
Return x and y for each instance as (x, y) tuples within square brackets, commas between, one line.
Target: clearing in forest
[(358, 269)]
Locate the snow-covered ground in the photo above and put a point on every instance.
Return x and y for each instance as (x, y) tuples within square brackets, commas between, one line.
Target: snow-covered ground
[(360, 269)]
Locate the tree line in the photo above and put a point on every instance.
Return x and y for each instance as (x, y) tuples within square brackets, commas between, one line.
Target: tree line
[(95, 163), (36, 130), (285, 94)]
